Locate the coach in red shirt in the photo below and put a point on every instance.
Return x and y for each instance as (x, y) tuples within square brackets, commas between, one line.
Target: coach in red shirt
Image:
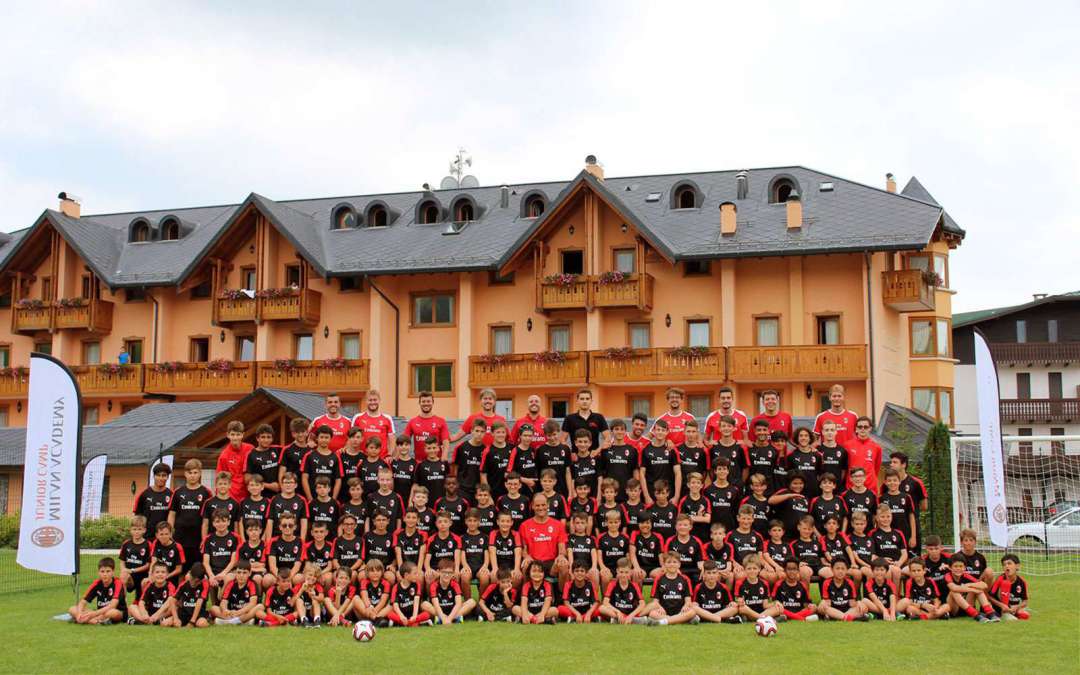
[(843, 418), (863, 452), (534, 419), (778, 419), (338, 423), (233, 458), (675, 417), (544, 539), (427, 425)]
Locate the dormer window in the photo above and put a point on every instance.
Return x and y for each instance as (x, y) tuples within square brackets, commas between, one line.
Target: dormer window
[(684, 197), (534, 206), (377, 217), (463, 212), (429, 213), (140, 232), (344, 218), (170, 229), (781, 190)]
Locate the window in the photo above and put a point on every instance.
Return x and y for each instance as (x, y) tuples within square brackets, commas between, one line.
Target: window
[(46, 288), (140, 232), (935, 262), (1054, 386), (292, 275), (505, 407), (639, 403), (344, 219), (91, 414), (429, 213), (558, 407), (91, 353), (640, 334), (1025, 447), (86, 290), (463, 211), (433, 377), (433, 309), (5, 356), (505, 280), (1023, 385), (201, 291), (245, 347), (573, 262), (502, 340), (781, 191), (624, 260), (559, 337), (698, 333), (828, 330), (134, 348), (199, 350), (1056, 447), (350, 346), (767, 331), (1021, 331), (43, 347), (349, 284), (934, 402), (695, 268), (135, 295), (170, 230), (685, 197), (3, 419), (1051, 330), (534, 206), (377, 216), (931, 337), (303, 347), (699, 405), (247, 278)]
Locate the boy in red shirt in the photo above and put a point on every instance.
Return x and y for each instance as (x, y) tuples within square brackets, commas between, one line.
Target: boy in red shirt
[(843, 418), (233, 459), (864, 453)]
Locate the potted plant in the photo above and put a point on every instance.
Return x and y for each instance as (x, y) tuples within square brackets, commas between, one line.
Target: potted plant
[(111, 369), (219, 366), (233, 294), (15, 372), (614, 277), (278, 292), (491, 359), (168, 367), (550, 357), (30, 303), (689, 352), (618, 353), (70, 303), (284, 365), (334, 364), (561, 279), (932, 279)]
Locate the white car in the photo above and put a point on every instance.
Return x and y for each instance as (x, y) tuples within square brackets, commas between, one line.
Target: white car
[(1060, 531)]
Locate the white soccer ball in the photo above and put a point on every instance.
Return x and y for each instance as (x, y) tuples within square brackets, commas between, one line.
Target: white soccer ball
[(765, 626), (363, 631)]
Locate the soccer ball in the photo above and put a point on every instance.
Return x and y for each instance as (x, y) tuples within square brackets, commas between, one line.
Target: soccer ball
[(765, 626), (364, 631)]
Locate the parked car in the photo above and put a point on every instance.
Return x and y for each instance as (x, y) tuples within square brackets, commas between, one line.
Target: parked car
[(1061, 507), (1059, 531)]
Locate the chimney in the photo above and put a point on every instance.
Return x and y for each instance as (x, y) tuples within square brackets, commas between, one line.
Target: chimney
[(70, 205), (727, 218), (794, 211), (504, 196), (742, 184), (593, 167), (890, 182)]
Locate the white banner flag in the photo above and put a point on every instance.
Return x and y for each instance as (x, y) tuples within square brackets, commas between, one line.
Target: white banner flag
[(49, 529), (167, 460), (92, 484), (986, 391)]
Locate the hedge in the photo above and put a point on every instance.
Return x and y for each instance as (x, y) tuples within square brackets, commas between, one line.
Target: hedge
[(108, 532)]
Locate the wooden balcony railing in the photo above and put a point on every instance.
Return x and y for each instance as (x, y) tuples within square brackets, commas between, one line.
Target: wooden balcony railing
[(906, 291), (1063, 410), (657, 364), (797, 362), (31, 320), (233, 310), (303, 305), (98, 380), (1031, 353), (320, 376), (92, 314), (195, 378), (512, 369), (14, 383), (575, 295), (635, 290)]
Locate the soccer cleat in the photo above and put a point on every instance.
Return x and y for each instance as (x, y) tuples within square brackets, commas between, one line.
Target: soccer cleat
[(220, 622), (569, 619), (812, 617), (781, 619), (264, 624), (235, 621), (901, 617), (1004, 617), (733, 619), (992, 618), (865, 617), (480, 618), (637, 621), (459, 619), (429, 622), (131, 621), (981, 618), (695, 620)]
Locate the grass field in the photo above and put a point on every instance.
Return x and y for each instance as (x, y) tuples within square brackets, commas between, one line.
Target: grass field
[(1050, 642)]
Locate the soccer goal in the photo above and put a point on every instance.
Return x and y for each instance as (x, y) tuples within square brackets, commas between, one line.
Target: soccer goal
[(1042, 497)]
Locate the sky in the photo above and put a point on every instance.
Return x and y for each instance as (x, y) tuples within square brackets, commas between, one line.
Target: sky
[(163, 105)]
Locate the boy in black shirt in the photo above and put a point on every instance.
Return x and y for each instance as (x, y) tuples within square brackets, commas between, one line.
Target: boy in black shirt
[(498, 600), (619, 461), (135, 557), (264, 460), (403, 467), (324, 510), (662, 511), (221, 501), (288, 502), (219, 550), (155, 599), (793, 596), (239, 598), (322, 461), (285, 553), (555, 455), (623, 601), (672, 595), (292, 455), (166, 551), (105, 601), (432, 472), (255, 506), (468, 458), (189, 603), (153, 502), (712, 599), (185, 511), (659, 462)]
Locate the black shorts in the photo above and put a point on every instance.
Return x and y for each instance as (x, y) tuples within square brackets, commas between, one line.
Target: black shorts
[(187, 617), (137, 579), (671, 609)]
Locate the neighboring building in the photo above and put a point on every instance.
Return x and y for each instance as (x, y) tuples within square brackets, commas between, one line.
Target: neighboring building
[(784, 278), (1036, 348)]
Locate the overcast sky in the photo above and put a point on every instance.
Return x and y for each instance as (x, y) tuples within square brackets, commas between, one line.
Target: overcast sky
[(157, 106)]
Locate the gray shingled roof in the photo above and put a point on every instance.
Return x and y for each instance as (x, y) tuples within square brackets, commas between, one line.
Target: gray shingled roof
[(850, 217), (915, 190)]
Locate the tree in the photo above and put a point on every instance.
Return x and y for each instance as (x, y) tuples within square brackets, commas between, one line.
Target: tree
[(938, 518)]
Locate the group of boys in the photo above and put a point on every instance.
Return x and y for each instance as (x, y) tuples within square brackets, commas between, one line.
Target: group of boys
[(553, 522)]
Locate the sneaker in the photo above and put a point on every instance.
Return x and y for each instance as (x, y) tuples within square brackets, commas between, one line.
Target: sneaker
[(480, 618), (992, 618), (695, 620), (220, 622), (132, 622), (264, 624), (733, 620), (812, 617), (781, 619), (569, 619), (901, 617), (637, 621), (509, 619), (865, 617), (460, 619), (1004, 617), (235, 621), (981, 618), (429, 622)]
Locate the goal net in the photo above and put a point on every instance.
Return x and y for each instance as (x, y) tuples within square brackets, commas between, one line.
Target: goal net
[(1042, 498)]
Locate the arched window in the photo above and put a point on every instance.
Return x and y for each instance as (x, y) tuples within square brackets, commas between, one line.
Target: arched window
[(140, 232), (534, 206), (463, 211), (344, 218), (429, 213), (377, 216), (781, 191), (170, 229), (685, 198)]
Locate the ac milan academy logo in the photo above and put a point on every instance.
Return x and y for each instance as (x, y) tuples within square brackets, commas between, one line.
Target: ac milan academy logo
[(999, 513), (47, 536)]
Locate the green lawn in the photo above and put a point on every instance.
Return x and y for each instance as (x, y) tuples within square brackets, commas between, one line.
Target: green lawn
[(1050, 642)]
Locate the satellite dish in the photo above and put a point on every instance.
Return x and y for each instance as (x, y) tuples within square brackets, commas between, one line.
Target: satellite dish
[(448, 183), (469, 182)]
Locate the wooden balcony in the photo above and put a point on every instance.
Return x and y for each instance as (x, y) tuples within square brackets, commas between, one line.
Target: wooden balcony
[(319, 376), (92, 314), (525, 369), (99, 381), (303, 305), (14, 382), (906, 291), (196, 379), (1036, 353), (636, 290), (231, 310), (575, 295), (657, 364), (1026, 410), (31, 319), (804, 363)]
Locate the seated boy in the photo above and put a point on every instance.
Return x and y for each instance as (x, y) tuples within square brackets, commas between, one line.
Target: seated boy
[(135, 557), (341, 599), (752, 594), (839, 597), (219, 550), (672, 595), (406, 598), (309, 597), (1009, 593), (965, 590), (645, 549), (445, 601), (498, 600), (921, 596), (793, 595), (879, 594), (623, 601), (239, 598), (712, 599), (580, 599), (278, 607), (155, 601), (373, 600), (976, 562), (167, 551), (284, 553), (105, 601), (536, 597), (189, 603)]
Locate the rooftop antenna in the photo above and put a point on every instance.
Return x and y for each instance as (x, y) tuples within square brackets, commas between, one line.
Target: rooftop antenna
[(457, 177)]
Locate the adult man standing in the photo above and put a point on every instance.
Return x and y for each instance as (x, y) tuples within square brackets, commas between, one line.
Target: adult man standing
[(427, 425), (487, 413), (864, 453), (843, 419), (727, 407), (675, 416), (543, 539), (778, 419), (534, 419), (376, 424), (333, 418), (585, 418)]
